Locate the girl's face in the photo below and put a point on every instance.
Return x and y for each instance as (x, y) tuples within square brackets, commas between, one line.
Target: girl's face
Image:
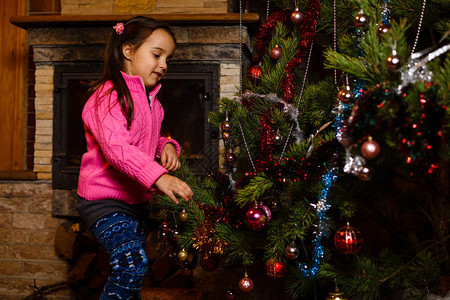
[(149, 61)]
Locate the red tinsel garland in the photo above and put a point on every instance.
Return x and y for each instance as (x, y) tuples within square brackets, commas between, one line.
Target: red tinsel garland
[(308, 34), (266, 136), (262, 40)]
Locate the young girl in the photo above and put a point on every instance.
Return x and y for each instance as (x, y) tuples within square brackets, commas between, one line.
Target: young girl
[(120, 170)]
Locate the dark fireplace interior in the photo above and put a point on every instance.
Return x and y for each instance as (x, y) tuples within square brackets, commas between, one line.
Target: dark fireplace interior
[(187, 95)]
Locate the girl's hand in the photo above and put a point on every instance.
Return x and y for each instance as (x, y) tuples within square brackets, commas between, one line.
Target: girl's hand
[(169, 158), (171, 185)]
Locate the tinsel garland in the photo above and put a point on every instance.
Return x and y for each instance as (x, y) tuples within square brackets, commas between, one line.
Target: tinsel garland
[(307, 35), (310, 270), (205, 241), (264, 32)]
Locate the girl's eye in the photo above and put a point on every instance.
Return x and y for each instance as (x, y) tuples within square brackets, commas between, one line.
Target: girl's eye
[(156, 55)]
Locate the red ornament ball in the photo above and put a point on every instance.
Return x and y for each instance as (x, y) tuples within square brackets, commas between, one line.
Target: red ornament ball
[(278, 140), (226, 126), (255, 218), (365, 173), (370, 149), (345, 95), (230, 157), (226, 135), (276, 53), (275, 269), (394, 62), (163, 235), (230, 294), (255, 73), (383, 29), (291, 252), (297, 16), (361, 19), (246, 284), (209, 262), (348, 240)]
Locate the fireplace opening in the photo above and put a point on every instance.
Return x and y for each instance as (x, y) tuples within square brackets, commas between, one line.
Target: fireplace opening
[(188, 94)]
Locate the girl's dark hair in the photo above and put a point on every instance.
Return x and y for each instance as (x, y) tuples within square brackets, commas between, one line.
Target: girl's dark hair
[(136, 30)]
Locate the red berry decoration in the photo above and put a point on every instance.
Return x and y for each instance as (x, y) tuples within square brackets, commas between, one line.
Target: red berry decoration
[(246, 284), (361, 19), (348, 240), (209, 262), (255, 218), (291, 252), (276, 53), (275, 269), (255, 73), (345, 95), (370, 149), (297, 16)]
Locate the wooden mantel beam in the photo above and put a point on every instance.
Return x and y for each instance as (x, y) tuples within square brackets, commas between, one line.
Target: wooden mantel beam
[(26, 22)]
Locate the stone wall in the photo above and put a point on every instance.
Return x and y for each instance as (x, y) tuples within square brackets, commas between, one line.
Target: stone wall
[(27, 234), (100, 7)]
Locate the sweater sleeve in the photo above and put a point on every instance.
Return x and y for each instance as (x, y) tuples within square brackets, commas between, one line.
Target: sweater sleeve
[(109, 127), (163, 141)]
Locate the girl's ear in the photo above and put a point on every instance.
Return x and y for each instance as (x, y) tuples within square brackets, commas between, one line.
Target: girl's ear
[(128, 51)]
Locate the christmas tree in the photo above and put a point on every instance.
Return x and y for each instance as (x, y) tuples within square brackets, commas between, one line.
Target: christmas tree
[(336, 154)]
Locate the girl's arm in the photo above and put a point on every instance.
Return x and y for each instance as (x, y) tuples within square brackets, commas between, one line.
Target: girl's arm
[(109, 127), (162, 143)]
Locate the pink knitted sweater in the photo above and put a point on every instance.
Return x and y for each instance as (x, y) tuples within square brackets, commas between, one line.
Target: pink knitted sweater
[(121, 164)]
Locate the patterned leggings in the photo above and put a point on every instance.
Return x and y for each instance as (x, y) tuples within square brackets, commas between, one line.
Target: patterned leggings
[(123, 238)]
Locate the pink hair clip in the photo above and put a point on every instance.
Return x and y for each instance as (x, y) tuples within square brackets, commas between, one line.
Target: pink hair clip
[(119, 28)]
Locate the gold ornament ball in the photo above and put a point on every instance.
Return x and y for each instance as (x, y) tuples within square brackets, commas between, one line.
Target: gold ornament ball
[(183, 216), (336, 295), (182, 255)]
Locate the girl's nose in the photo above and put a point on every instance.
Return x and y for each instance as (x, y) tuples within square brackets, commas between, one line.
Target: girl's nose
[(163, 65)]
